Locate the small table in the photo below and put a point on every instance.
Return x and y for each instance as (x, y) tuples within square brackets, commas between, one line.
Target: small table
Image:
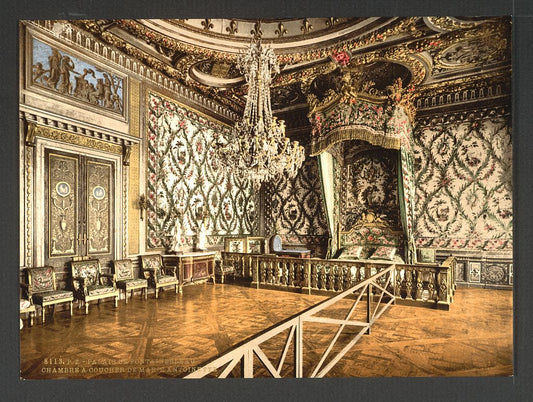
[(193, 266)]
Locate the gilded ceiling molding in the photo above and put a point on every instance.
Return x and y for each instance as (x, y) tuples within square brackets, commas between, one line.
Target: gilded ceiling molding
[(486, 47), (444, 24)]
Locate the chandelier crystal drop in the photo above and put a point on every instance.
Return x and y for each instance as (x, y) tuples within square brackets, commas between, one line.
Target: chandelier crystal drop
[(256, 147)]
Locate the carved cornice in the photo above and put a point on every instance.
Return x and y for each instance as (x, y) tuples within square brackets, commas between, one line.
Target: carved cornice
[(463, 116), (464, 90), (39, 125)]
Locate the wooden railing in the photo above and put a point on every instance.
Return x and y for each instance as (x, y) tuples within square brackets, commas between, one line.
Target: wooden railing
[(426, 283), (417, 284), (250, 358), (241, 262)]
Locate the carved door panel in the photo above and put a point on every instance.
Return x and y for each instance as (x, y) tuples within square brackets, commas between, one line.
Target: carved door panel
[(79, 211)]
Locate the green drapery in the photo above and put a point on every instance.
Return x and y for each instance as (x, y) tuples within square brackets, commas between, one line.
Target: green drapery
[(326, 169), (406, 195)]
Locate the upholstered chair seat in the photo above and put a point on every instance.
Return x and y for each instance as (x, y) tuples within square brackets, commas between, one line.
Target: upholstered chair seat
[(41, 288), (157, 274), (132, 282), (47, 297), (126, 281), (90, 283)]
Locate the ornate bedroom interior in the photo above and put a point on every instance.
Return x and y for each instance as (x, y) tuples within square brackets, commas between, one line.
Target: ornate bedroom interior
[(205, 199)]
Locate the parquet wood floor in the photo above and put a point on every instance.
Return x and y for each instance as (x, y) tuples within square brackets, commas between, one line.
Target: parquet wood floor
[(165, 338)]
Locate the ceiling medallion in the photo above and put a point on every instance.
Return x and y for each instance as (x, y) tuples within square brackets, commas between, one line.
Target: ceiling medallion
[(257, 147)]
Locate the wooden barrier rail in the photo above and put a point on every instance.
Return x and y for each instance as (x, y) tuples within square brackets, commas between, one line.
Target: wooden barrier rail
[(249, 358), (417, 284)]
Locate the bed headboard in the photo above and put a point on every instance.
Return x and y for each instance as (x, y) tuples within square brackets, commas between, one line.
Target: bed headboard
[(371, 232)]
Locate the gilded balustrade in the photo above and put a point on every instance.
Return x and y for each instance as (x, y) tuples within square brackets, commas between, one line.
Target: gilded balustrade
[(414, 283)]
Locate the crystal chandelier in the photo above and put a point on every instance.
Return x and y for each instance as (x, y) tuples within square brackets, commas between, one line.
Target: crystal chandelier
[(257, 147)]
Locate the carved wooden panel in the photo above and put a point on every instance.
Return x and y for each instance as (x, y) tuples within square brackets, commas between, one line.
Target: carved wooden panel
[(62, 205), (99, 207)]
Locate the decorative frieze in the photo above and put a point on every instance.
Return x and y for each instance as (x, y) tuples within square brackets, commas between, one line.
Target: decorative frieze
[(69, 33)]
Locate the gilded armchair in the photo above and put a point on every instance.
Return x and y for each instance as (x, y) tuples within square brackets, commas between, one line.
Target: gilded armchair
[(90, 283), (157, 274), (42, 290), (126, 281)]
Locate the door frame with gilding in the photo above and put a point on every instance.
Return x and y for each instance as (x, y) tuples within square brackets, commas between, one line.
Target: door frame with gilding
[(40, 192)]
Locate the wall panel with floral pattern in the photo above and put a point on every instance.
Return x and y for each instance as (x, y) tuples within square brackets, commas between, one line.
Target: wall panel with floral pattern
[(464, 183), (185, 183), (294, 209)]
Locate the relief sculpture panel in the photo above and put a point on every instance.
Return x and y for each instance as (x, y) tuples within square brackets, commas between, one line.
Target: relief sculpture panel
[(62, 190), (67, 75), (98, 207)]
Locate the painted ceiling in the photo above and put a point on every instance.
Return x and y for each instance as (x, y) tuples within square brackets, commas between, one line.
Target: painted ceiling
[(430, 54)]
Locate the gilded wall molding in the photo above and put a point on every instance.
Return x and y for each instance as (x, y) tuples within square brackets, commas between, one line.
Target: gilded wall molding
[(135, 105), (125, 211), (132, 202), (28, 192)]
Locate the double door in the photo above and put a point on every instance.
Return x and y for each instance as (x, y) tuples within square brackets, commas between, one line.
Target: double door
[(79, 207)]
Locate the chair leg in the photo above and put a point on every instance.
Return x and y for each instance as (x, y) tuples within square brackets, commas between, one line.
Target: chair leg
[(156, 292), (145, 290), (116, 301), (70, 309), (43, 314), (86, 307), (126, 296), (176, 288)]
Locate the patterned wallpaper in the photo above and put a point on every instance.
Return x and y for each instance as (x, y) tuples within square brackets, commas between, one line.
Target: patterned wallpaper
[(464, 183), (370, 184), (293, 208), (184, 181)]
